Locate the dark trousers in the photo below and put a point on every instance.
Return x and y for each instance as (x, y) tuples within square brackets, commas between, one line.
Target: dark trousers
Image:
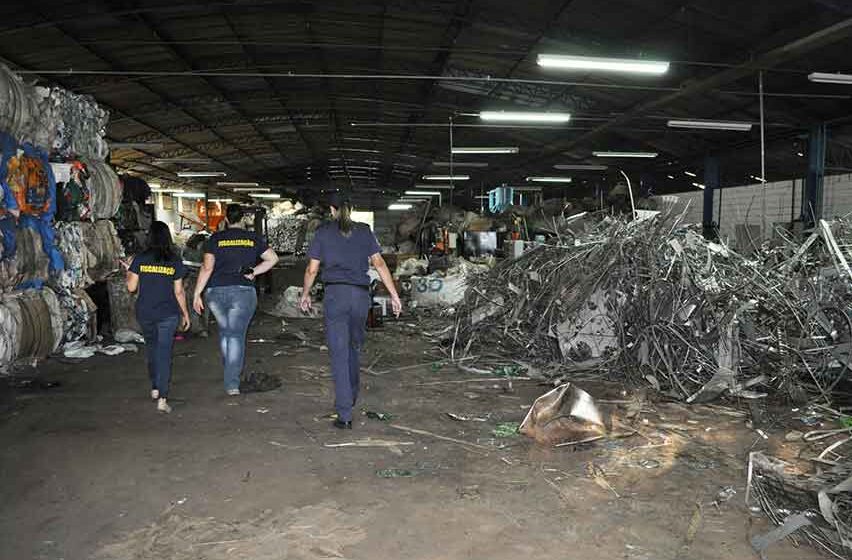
[(345, 309), (159, 339)]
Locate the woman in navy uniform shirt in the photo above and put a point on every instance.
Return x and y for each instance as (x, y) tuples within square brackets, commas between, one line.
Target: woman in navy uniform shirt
[(158, 275), (233, 258), (345, 249)]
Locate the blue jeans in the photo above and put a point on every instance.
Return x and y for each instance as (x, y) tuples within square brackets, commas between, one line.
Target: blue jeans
[(233, 307), (159, 339), (345, 309)]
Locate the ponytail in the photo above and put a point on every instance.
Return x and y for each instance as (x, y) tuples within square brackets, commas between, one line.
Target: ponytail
[(344, 219)]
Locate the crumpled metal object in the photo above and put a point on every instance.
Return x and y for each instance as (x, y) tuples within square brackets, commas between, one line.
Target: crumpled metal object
[(566, 413)]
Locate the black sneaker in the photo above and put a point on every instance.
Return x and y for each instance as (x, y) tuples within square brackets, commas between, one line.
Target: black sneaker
[(341, 425)]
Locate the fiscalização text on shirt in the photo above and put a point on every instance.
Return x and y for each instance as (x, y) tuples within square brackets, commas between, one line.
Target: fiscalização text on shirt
[(235, 243), (157, 269)]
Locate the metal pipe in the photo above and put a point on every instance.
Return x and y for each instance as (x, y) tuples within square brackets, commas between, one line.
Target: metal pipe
[(405, 77), (763, 231)]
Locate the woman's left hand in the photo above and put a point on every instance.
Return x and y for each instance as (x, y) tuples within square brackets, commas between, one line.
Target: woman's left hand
[(396, 305), (185, 323)]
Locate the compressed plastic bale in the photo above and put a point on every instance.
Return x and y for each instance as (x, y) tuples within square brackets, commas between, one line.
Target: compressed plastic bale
[(9, 324), (32, 262), (36, 337), (106, 251), (104, 190), (122, 306), (77, 256), (57, 317), (79, 315)]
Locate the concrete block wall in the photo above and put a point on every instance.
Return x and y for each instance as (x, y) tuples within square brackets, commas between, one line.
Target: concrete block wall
[(744, 205)]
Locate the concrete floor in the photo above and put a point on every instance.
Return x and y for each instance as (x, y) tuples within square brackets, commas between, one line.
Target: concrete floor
[(88, 469)]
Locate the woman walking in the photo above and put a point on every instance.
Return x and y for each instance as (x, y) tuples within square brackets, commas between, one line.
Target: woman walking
[(233, 258), (345, 249), (158, 275)]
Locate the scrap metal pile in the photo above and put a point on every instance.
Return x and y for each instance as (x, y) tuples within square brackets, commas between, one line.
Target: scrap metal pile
[(653, 302)]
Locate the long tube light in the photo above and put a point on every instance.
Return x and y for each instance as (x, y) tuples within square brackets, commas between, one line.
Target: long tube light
[(236, 184), (698, 185), (446, 177), (710, 125), (192, 174), (690, 174), (272, 196), (524, 116), (579, 167), (189, 195), (221, 200), (166, 190), (626, 154), (485, 150), (249, 189), (827, 78), (566, 62), (437, 186), (549, 179), (424, 193), (399, 207)]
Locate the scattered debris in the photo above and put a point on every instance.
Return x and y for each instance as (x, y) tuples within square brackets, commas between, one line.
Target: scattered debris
[(395, 473), (381, 416), (465, 418), (506, 429)]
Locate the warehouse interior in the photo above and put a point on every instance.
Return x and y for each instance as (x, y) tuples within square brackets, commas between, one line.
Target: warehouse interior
[(621, 233)]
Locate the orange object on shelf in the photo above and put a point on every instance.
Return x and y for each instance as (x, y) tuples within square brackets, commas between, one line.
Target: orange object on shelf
[(216, 211)]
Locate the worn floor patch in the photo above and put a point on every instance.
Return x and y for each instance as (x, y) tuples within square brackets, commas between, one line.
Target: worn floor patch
[(307, 533)]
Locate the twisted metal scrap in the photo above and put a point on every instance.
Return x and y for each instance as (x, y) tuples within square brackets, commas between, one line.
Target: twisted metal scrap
[(691, 318)]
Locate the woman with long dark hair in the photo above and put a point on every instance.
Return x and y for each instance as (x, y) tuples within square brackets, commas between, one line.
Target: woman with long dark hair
[(233, 258), (157, 274), (345, 249)]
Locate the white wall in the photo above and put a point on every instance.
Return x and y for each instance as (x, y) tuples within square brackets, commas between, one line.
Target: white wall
[(744, 205)]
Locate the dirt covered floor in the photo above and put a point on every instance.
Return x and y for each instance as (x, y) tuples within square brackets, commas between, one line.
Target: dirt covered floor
[(89, 469)]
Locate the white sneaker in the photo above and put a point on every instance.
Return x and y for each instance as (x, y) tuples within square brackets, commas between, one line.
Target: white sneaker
[(155, 394), (233, 392), (163, 406)]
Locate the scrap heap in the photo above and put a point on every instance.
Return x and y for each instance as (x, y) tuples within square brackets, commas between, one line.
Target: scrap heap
[(656, 303)]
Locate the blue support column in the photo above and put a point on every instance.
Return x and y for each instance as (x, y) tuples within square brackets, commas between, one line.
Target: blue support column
[(812, 195), (712, 182)]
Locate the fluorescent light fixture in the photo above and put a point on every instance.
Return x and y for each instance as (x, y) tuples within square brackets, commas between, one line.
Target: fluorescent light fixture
[(579, 167), (154, 186), (249, 189), (221, 200), (460, 164), (524, 116), (424, 193), (167, 190), (670, 176), (446, 177), (193, 174), (690, 173), (626, 154), (632, 66), (549, 179), (826, 78), (800, 154), (414, 200), (189, 195), (437, 186), (271, 196), (699, 185), (758, 179), (710, 125), (232, 184), (485, 150), (399, 207)]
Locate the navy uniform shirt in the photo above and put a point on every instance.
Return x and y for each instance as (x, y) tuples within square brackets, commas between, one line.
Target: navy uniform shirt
[(234, 249), (345, 260), (157, 286)]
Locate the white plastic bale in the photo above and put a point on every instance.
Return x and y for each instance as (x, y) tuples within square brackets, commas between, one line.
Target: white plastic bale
[(57, 317), (9, 319), (76, 255)]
